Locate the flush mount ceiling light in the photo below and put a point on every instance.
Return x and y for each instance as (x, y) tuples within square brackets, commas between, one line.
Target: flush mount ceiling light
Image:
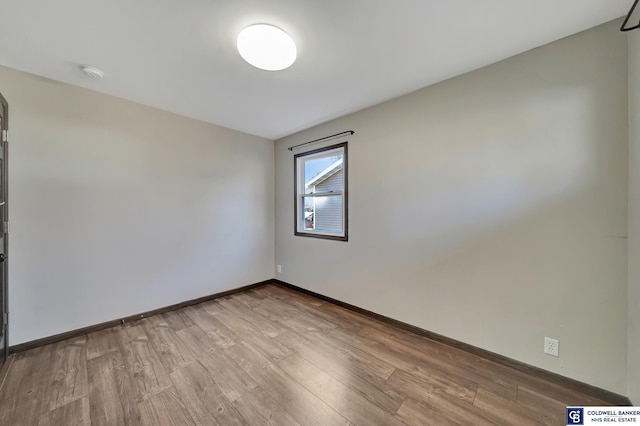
[(267, 47), (92, 72)]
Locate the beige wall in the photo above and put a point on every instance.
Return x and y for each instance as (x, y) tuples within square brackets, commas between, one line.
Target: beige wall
[(490, 208), (117, 208), (634, 217)]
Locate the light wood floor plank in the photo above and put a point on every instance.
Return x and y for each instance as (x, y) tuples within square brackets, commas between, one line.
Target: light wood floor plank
[(545, 410), (359, 376), (376, 370), (446, 379), (259, 408), (176, 407), (203, 398), (413, 385), (250, 359), (348, 403), (442, 362), (102, 342), (177, 320), (229, 377), (414, 413), (217, 331), (299, 402), (253, 316), (22, 394), (75, 413), (68, 380), (112, 399), (164, 408), (270, 347), (4, 371), (437, 399), (165, 343), (502, 410), (147, 372)]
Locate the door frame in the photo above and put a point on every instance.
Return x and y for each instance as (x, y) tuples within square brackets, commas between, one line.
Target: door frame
[(4, 218)]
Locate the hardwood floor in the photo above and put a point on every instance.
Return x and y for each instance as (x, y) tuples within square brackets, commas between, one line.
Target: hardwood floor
[(269, 356)]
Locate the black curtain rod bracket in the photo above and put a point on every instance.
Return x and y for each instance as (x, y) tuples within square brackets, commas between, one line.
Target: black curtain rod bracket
[(351, 132), (626, 20)]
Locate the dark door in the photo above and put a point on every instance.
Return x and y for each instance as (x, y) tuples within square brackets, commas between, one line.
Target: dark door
[(4, 220)]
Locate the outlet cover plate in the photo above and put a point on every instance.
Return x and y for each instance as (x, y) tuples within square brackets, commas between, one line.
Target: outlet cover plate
[(551, 346)]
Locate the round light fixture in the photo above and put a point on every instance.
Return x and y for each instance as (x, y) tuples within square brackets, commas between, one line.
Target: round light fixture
[(92, 72), (267, 47)]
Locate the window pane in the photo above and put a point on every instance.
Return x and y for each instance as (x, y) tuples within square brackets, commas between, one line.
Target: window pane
[(323, 174), (308, 219), (322, 214)]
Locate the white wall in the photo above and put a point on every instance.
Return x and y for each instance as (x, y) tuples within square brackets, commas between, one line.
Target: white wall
[(634, 217), (490, 208), (117, 208)]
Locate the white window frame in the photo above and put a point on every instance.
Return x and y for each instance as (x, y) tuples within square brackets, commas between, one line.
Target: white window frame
[(299, 189)]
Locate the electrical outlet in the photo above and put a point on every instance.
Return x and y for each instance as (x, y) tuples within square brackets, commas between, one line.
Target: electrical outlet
[(279, 269), (551, 346)]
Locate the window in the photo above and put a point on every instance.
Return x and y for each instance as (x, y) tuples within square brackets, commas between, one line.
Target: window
[(321, 193)]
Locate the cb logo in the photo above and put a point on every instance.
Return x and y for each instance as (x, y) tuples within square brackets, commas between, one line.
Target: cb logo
[(575, 416)]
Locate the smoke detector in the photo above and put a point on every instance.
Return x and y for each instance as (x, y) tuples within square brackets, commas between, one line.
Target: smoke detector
[(92, 72)]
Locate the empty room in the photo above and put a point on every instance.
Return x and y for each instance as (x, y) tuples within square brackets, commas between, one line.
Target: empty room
[(297, 212)]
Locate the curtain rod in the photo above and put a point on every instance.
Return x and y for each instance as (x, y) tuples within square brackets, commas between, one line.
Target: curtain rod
[(626, 20), (351, 132)]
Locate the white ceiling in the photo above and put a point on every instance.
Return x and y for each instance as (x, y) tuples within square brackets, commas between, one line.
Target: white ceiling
[(180, 55)]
